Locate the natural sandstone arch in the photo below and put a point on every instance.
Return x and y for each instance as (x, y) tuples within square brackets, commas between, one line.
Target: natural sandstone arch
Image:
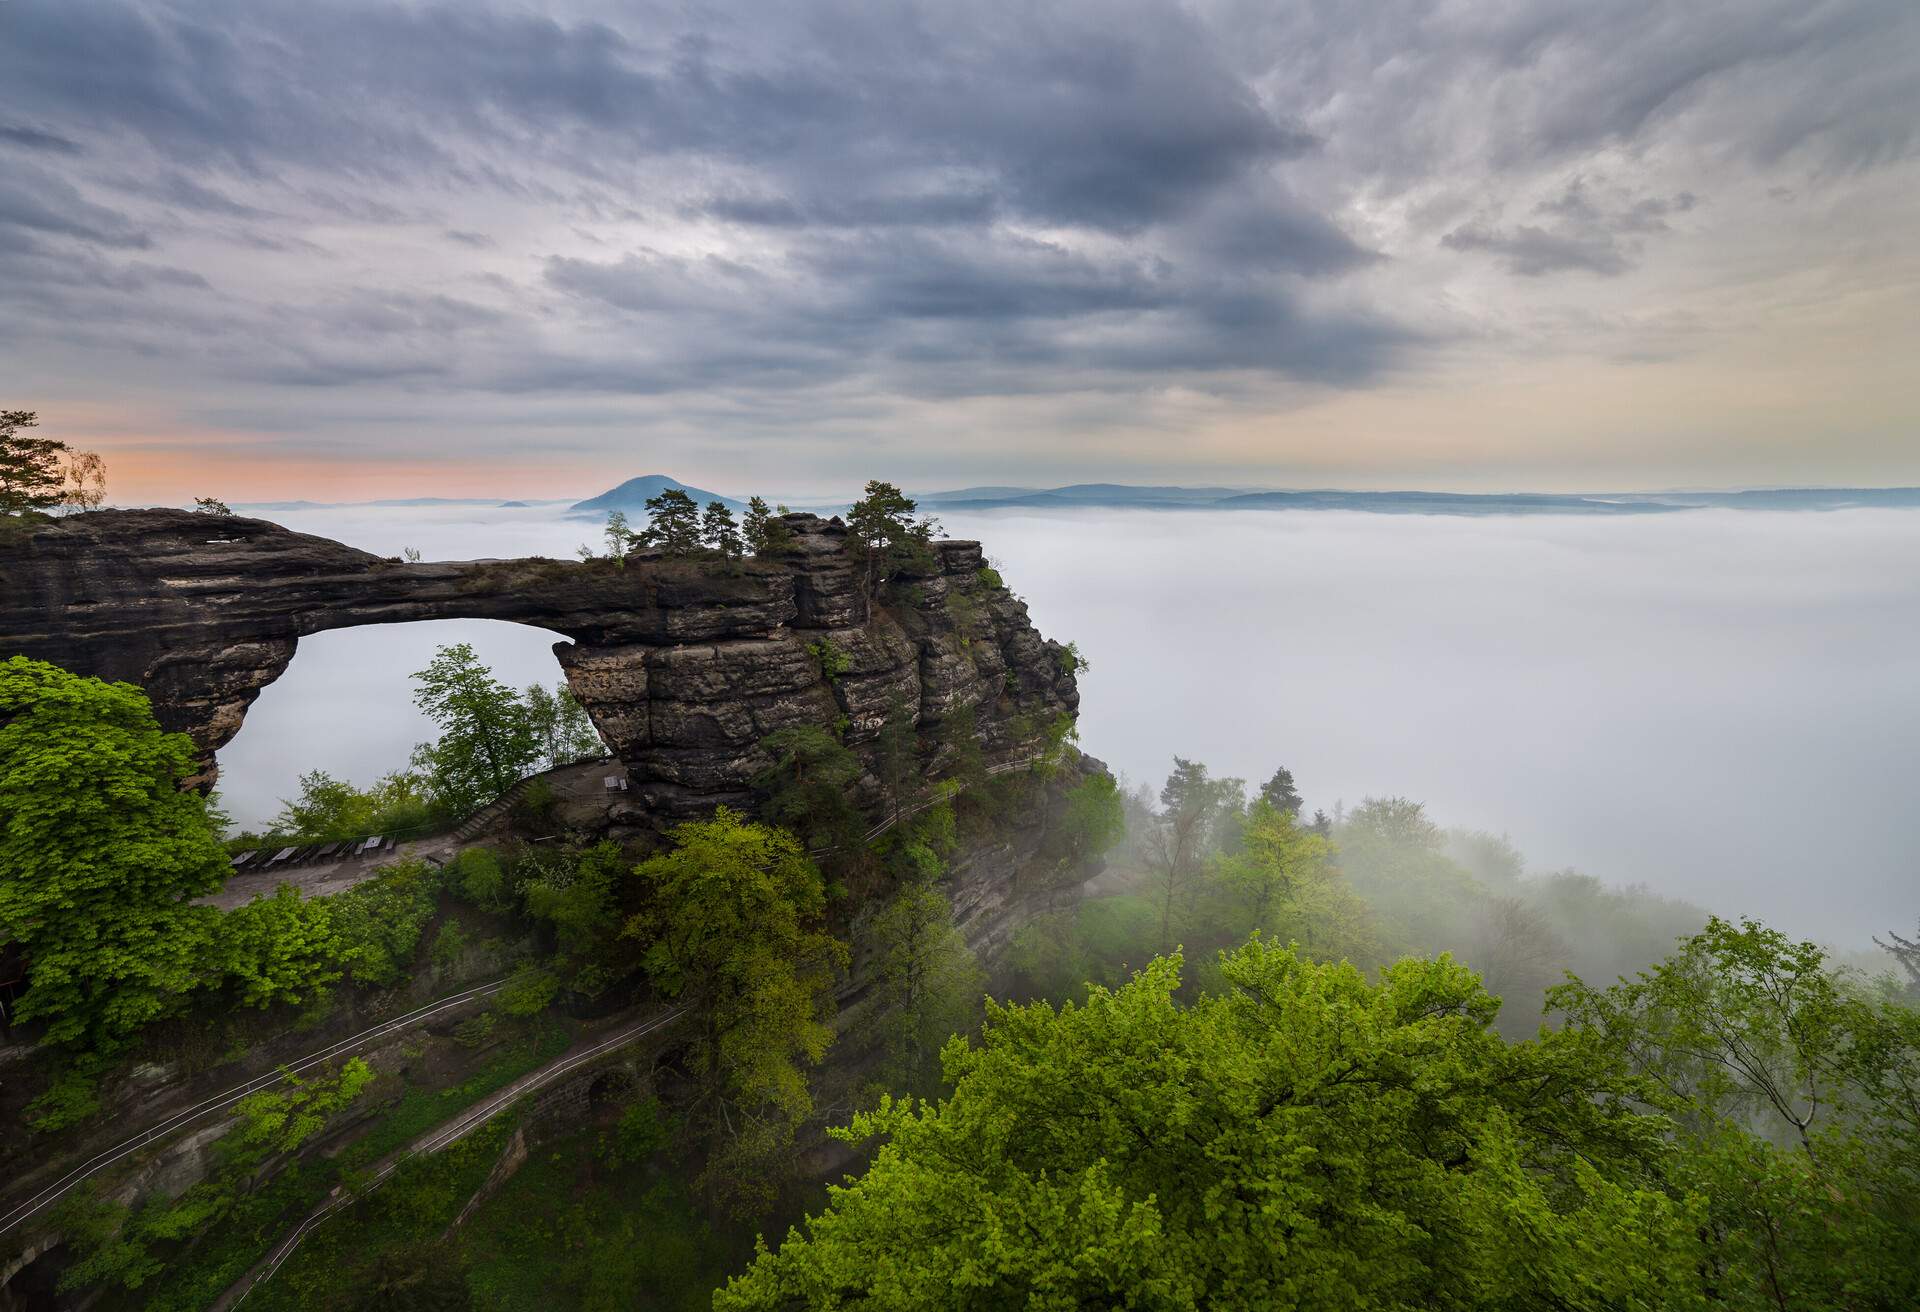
[(683, 666)]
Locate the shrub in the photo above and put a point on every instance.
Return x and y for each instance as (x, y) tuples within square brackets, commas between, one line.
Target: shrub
[(379, 922), (476, 876), (833, 662), (475, 1031), (641, 1132), (528, 991), (73, 1097)]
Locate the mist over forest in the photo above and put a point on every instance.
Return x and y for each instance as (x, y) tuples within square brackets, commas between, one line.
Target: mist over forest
[(1715, 704)]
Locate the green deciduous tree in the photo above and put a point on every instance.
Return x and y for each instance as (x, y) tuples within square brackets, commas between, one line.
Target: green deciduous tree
[(1744, 1029), (281, 948), (1303, 1140), (1281, 881), (577, 894), (562, 733), (486, 738), (732, 923), (101, 854)]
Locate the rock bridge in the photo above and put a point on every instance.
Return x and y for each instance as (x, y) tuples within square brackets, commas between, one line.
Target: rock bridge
[(683, 666)]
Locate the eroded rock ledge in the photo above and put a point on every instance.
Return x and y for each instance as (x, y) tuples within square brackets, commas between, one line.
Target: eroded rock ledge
[(683, 666)]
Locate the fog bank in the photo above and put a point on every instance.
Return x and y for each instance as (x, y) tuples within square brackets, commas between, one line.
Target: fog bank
[(1719, 704)]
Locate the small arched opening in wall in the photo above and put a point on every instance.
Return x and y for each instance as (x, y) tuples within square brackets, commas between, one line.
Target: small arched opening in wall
[(345, 706), (612, 1087)]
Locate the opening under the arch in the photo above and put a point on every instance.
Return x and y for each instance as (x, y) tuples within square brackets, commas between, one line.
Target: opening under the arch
[(345, 706)]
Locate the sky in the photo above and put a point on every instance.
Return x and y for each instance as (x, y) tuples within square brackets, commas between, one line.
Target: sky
[(1716, 703), (272, 248)]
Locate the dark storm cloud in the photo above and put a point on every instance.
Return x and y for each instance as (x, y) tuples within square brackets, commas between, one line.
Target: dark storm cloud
[(935, 199)]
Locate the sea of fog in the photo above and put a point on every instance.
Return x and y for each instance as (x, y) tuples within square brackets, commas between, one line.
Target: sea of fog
[(1724, 705)]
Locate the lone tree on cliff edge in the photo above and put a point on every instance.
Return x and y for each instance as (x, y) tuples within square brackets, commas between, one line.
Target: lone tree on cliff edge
[(885, 533), (39, 473)]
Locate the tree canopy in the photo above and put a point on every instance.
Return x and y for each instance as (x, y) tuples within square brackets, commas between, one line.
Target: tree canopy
[(487, 740), (39, 473), (103, 853), (732, 923), (673, 523), (885, 534), (1304, 1139)]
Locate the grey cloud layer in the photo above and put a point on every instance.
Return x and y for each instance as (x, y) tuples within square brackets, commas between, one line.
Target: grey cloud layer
[(917, 200)]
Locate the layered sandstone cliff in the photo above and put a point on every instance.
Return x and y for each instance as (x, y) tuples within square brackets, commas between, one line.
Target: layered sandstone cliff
[(684, 666)]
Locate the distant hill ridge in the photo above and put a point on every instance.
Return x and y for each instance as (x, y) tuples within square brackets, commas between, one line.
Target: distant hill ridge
[(1086, 496), (631, 497)]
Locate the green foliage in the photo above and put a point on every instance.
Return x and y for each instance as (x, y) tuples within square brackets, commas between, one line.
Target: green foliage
[(1195, 811), (330, 809), (927, 984), (989, 577), (1279, 792), (807, 786), (103, 854), (762, 534), (449, 947), (73, 1096), (1304, 1140), (832, 661), (279, 1120), (897, 753), (958, 750), (1069, 659), (486, 738), (641, 1131), (719, 533), (378, 923), (1282, 882), (1093, 821), (477, 876), (116, 1246), (732, 928), (673, 523), (562, 733), (528, 990), (475, 1031), (916, 849), (278, 949), (1743, 1027), (565, 1232), (885, 536), (576, 894)]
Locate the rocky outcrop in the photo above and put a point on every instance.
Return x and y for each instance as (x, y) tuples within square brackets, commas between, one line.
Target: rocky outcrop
[(685, 667)]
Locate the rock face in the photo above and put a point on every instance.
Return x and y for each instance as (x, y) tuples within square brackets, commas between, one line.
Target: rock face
[(683, 666)]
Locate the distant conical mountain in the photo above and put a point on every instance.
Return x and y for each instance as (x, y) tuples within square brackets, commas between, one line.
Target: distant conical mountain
[(631, 497)]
